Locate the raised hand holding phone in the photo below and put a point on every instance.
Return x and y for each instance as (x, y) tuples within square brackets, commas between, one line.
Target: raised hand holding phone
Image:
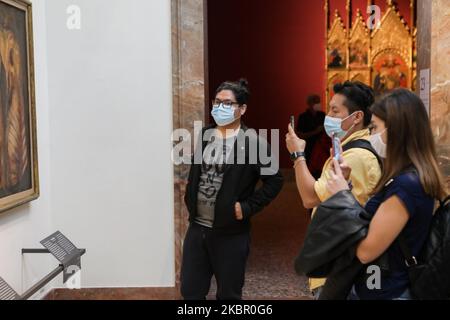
[(337, 149), (293, 142), (337, 154), (337, 182)]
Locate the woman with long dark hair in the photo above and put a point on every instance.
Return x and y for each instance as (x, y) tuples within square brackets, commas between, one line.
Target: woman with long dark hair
[(403, 202)]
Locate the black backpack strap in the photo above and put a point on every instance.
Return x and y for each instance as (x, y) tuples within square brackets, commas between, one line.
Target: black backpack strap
[(362, 144), (410, 260), (444, 202)]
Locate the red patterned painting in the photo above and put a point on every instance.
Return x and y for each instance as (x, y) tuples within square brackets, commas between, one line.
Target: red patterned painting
[(390, 72)]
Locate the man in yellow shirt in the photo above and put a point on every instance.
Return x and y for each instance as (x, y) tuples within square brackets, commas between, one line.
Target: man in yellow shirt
[(348, 118)]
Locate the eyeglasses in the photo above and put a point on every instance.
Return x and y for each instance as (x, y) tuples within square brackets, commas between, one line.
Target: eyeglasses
[(227, 104)]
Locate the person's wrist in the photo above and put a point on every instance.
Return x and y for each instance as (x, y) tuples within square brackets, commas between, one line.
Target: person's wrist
[(297, 154), (298, 161)]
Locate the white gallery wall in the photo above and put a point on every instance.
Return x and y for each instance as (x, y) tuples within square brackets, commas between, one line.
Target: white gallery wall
[(110, 127), (105, 120)]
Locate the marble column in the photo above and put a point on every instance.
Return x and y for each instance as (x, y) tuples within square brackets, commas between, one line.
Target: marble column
[(434, 52), (440, 81), (189, 74)]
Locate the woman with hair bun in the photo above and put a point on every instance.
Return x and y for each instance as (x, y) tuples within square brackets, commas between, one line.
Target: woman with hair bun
[(221, 198)]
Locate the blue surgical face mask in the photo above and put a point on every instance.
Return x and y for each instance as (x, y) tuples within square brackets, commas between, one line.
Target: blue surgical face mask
[(223, 116), (334, 126)]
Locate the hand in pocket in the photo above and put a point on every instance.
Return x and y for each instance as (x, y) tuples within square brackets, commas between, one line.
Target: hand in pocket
[(238, 211)]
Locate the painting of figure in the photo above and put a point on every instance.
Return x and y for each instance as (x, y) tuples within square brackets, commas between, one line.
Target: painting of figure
[(359, 55), (18, 154), (390, 72), (336, 55)]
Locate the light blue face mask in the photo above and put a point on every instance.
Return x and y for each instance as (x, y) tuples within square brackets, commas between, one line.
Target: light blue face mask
[(223, 116), (334, 126)]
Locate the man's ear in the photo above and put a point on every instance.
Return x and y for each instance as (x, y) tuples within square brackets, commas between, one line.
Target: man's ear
[(359, 117)]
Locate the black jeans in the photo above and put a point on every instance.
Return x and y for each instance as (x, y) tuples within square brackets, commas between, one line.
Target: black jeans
[(207, 253)]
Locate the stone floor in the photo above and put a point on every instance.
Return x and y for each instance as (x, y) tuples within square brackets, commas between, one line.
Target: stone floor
[(277, 234)]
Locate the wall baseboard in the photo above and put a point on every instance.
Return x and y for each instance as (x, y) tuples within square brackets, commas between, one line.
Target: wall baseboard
[(114, 294)]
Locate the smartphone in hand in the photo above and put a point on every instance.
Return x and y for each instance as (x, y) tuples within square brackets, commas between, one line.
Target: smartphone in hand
[(336, 144), (293, 122)]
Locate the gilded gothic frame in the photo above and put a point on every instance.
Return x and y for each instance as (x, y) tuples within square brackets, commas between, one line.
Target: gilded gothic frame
[(19, 179), (384, 58)]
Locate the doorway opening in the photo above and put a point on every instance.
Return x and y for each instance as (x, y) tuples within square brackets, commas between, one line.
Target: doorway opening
[(281, 50)]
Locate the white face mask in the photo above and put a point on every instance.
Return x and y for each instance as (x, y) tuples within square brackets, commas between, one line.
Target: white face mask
[(377, 143)]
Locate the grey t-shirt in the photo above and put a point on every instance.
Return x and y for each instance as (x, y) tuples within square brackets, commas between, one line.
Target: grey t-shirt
[(215, 155)]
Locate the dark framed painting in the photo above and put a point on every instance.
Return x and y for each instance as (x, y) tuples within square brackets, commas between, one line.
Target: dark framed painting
[(19, 180)]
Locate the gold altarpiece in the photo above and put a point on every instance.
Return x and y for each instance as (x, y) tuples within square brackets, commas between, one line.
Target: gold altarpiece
[(383, 57)]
